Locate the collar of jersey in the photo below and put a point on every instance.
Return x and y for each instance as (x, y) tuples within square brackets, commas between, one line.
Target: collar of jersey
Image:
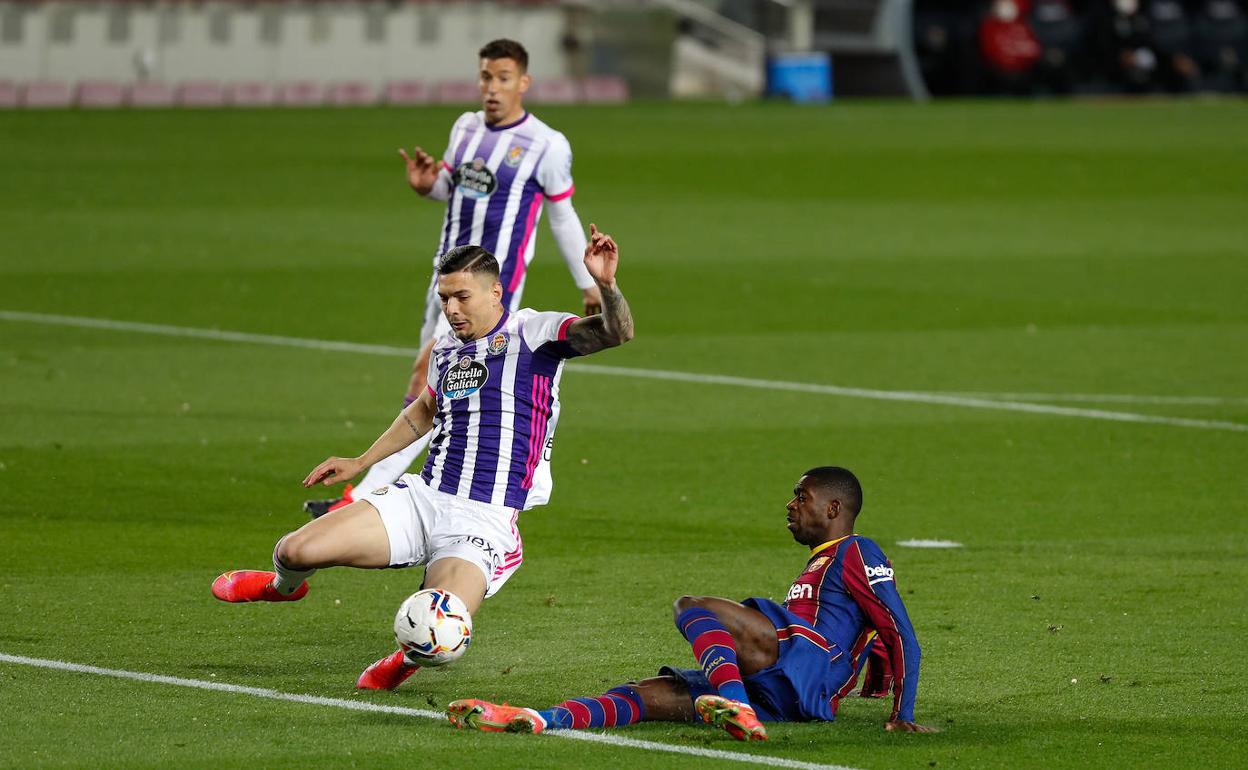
[(497, 326), (822, 546), (522, 118)]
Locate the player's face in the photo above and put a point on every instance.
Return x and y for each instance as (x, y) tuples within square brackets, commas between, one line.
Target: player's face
[(502, 85), (808, 513), (472, 303)]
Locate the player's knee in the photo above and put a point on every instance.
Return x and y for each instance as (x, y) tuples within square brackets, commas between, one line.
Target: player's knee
[(295, 551), (686, 603)]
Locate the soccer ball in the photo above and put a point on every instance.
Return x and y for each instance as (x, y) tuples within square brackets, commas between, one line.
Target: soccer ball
[(433, 628)]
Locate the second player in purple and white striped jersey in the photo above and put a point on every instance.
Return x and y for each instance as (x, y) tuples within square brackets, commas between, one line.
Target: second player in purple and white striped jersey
[(497, 400), (496, 179)]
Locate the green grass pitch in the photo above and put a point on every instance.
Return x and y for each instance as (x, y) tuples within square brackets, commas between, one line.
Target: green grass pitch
[(1095, 617)]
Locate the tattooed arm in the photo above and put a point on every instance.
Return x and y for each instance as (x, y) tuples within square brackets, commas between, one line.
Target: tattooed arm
[(414, 421), (614, 326)]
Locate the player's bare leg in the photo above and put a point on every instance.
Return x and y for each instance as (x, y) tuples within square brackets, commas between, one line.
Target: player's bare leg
[(353, 536), (462, 578), (666, 699), (348, 537)]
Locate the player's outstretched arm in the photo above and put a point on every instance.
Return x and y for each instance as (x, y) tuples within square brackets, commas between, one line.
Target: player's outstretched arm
[(614, 326), (413, 422)]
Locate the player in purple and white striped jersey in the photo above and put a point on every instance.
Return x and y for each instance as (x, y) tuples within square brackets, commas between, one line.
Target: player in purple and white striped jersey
[(492, 406), (501, 169)]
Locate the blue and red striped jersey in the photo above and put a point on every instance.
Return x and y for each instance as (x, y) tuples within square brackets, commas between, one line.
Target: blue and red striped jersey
[(848, 593)]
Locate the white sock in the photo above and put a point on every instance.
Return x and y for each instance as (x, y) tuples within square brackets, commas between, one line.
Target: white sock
[(288, 580), (388, 471)]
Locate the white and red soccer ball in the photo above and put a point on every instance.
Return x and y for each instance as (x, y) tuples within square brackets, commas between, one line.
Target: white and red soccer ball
[(433, 627)]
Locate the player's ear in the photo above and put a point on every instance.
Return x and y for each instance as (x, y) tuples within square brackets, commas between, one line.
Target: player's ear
[(834, 508), (525, 82)]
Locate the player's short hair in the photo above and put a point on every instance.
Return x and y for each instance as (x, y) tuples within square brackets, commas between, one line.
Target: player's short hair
[(840, 483), (504, 48), (471, 259)]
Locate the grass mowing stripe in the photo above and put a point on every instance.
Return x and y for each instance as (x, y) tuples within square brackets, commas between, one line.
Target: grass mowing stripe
[(918, 397), (317, 700)]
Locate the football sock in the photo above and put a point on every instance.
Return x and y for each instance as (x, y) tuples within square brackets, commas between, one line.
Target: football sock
[(288, 580), (619, 707), (715, 650), (389, 469)]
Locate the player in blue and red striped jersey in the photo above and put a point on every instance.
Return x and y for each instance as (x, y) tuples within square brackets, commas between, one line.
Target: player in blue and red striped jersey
[(760, 661)]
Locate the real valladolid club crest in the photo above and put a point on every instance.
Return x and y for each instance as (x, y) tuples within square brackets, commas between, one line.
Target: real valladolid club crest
[(464, 378), (498, 344), (514, 156)]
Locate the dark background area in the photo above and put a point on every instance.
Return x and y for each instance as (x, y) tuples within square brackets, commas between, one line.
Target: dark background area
[(1025, 47)]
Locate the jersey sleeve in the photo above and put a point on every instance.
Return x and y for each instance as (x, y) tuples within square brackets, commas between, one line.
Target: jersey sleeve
[(547, 333), (448, 157), (431, 377), (554, 172), (868, 577)]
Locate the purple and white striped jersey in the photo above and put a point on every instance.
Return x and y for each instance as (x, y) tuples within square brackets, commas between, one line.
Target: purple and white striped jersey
[(500, 176), (497, 406)]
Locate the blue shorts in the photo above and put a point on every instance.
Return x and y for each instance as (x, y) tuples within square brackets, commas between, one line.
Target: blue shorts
[(800, 685)]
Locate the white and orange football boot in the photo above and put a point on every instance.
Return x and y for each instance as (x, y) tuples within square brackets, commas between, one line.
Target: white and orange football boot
[(387, 673), (738, 719), (249, 585), (493, 718)]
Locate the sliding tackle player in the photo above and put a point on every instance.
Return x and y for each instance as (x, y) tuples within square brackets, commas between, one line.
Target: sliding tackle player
[(761, 661), (492, 404)]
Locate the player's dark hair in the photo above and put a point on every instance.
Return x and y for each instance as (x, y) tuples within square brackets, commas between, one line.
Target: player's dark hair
[(840, 483), (506, 49), (472, 259)]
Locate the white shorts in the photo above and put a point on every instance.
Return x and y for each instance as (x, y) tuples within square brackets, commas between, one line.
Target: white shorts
[(425, 525)]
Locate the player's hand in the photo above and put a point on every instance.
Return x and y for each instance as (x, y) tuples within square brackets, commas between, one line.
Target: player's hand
[(602, 256), (593, 300), (333, 471), (898, 726), (422, 170)]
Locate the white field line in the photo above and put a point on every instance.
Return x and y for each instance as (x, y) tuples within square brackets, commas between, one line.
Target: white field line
[(1109, 398), (917, 397), (316, 700)]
